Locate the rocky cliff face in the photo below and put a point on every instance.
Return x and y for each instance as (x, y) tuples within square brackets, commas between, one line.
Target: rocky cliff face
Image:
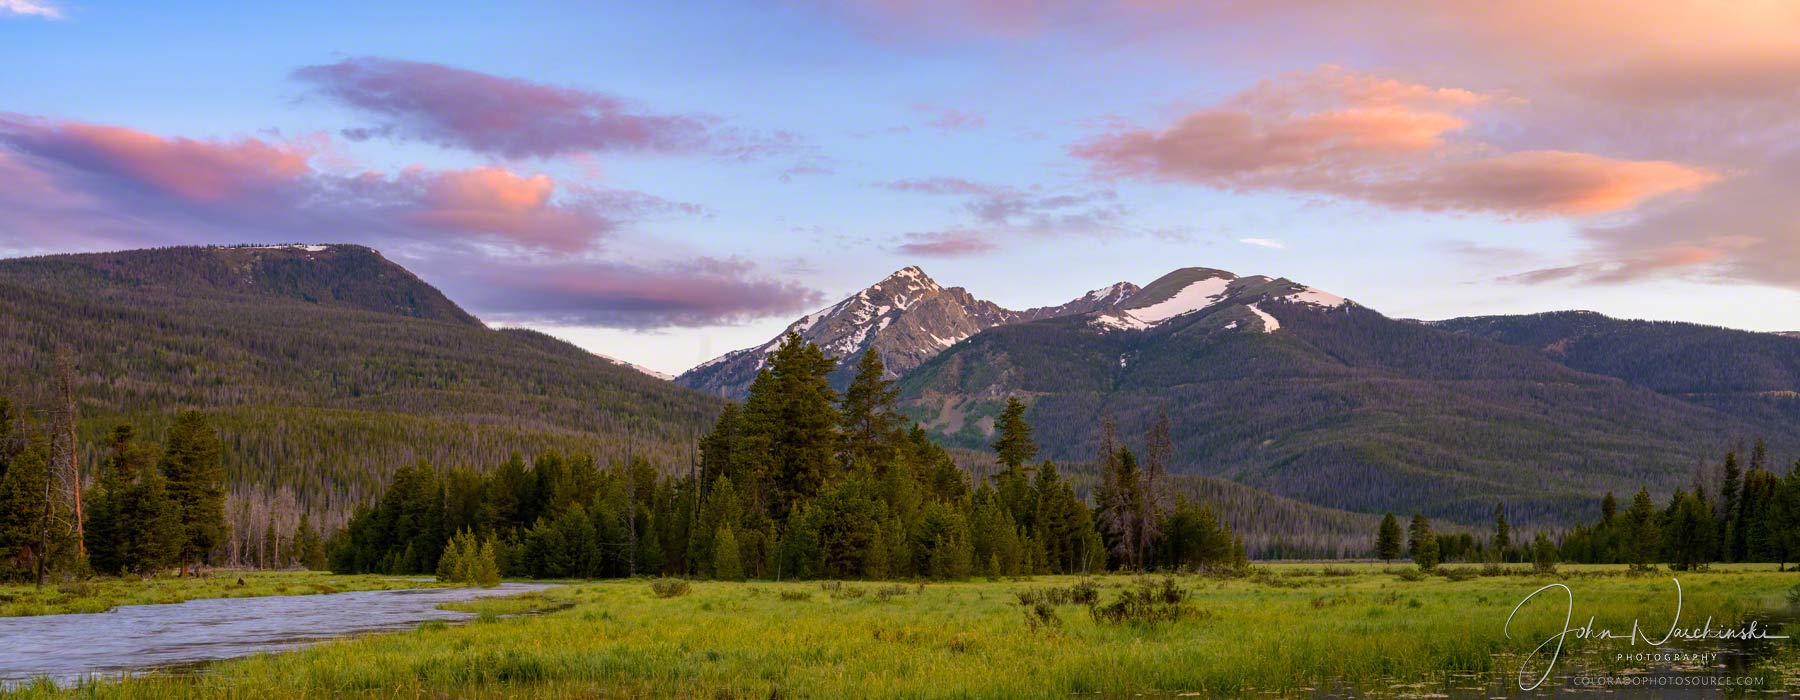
[(908, 318)]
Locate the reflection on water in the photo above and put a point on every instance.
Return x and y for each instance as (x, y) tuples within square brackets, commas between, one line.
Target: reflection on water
[(65, 648)]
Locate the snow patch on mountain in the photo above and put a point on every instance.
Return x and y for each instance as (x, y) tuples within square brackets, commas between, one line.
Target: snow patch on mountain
[(1194, 297), (1269, 324), (1318, 298)]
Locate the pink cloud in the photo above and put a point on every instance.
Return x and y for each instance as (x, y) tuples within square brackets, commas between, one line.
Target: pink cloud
[(1379, 140), (264, 185), (516, 118), (946, 244), (951, 119), (200, 171), (694, 292)]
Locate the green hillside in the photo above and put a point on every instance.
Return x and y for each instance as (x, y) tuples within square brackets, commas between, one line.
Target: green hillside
[(1343, 408), (326, 367)]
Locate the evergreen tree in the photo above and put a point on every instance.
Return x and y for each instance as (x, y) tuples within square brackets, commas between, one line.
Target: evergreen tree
[(868, 418), (1784, 524), (1502, 533), (1387, 539), (132, 527), (309, 548), (1544, 555), (1688, 532), (23, 508), (725, 561), (790, 424), (1422, 543), (196, 487), (1729, 493), (1013, 445), (1642, 532)]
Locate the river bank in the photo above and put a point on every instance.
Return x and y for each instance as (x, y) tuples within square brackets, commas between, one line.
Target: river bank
[(102, 594)]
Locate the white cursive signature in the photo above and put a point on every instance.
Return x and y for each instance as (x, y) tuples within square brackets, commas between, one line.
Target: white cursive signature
[(1554, 642)]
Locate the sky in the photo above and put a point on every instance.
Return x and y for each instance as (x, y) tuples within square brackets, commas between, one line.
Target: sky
[(665, 182)]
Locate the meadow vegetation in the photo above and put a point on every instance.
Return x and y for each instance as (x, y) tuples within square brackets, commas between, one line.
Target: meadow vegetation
[(1281, 629)]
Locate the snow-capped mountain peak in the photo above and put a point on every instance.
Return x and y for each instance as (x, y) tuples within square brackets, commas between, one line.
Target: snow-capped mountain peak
[(1189, 291)]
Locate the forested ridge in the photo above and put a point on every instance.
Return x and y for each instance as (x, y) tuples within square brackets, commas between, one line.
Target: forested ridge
[(1347, 409), (324, 367), (1755, 376)]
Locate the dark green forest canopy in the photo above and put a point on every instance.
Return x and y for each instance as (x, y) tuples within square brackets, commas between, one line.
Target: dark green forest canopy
[(1346, 409), (798, 482)]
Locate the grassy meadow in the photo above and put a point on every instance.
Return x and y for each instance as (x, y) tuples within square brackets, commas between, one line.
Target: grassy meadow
[(1285, 630), (100, 595)]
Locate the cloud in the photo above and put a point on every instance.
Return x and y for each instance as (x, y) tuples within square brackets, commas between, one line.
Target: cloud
[(1262, 243), (1611, 49), (1744, 229), (515, 118), (1033, 209), (1361, 137), (513, 245), (30, 8), (690, 293), (950, 119), (251, 185), (946, 244)]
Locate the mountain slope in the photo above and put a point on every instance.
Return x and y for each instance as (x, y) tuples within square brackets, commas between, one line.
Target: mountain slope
[(1289, 389), (326, 366), (908, 318), (1755, 376)]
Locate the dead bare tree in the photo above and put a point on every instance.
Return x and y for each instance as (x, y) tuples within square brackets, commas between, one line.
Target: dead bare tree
[(66, 460)]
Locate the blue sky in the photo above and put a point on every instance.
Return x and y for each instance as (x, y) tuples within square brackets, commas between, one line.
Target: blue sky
[(796, 150)]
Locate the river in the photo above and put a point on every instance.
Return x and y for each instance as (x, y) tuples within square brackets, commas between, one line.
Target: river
[(130, 638)]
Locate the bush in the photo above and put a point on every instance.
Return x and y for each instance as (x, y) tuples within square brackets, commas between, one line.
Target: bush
[(1085, 592), (847, 592), (795, 596), (669, 587), (1146, 602), (885, 593)]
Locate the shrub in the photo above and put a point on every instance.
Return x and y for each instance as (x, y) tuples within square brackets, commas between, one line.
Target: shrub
[(847, 592), (885, 593), (795, 596), (669, 587), (1146, 602), (1041, 615)]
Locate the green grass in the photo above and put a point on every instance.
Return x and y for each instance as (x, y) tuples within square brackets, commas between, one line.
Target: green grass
[(1287, 629), (100, 595)]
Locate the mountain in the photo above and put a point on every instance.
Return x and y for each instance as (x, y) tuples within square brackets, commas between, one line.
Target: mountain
[(1286, 388), (1755, 376), (908, 318), (325, 367)]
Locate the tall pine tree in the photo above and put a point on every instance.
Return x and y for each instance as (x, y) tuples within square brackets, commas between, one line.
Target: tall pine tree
[(196, 487)]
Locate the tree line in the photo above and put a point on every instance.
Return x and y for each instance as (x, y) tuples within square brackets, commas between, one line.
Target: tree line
[(154, 506), (799, 481), (1754, 518)]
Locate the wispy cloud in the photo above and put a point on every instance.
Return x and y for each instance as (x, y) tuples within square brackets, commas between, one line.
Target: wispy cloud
[(1262, 242), (1391, 143), (30, 8), (517, 118)]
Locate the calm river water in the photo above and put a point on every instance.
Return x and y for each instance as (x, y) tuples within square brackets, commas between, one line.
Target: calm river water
[(66, 648)]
